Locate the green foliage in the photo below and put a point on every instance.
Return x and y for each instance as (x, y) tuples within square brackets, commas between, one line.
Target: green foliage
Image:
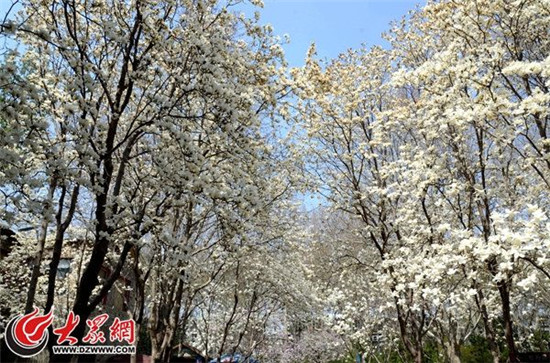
[(433, 352), (144, 342), (540, 342), (343, 360), (476, 350)]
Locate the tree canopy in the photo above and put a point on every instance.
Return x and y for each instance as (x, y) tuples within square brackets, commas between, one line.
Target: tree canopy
[(162, 149)]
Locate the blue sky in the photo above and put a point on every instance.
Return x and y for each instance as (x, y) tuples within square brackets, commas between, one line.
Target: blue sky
[(334, 25)]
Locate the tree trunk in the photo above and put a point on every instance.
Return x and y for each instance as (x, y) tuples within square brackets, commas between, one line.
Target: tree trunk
[(507, 320), (416, 353), (139, 308), (453, 352), (154, 319), (489, 332), (58, 245), (133, 357), (414, 347), (40, 248), (173, 321), (56, 255)]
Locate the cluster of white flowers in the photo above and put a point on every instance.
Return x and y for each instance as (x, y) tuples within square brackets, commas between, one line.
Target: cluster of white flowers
[(438, 148), (149, 125)]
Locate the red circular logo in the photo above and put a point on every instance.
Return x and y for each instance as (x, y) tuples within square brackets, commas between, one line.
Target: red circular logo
[(27, 335)]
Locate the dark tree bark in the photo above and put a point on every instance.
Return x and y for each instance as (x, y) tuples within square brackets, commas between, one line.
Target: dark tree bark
[(43, 233)]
